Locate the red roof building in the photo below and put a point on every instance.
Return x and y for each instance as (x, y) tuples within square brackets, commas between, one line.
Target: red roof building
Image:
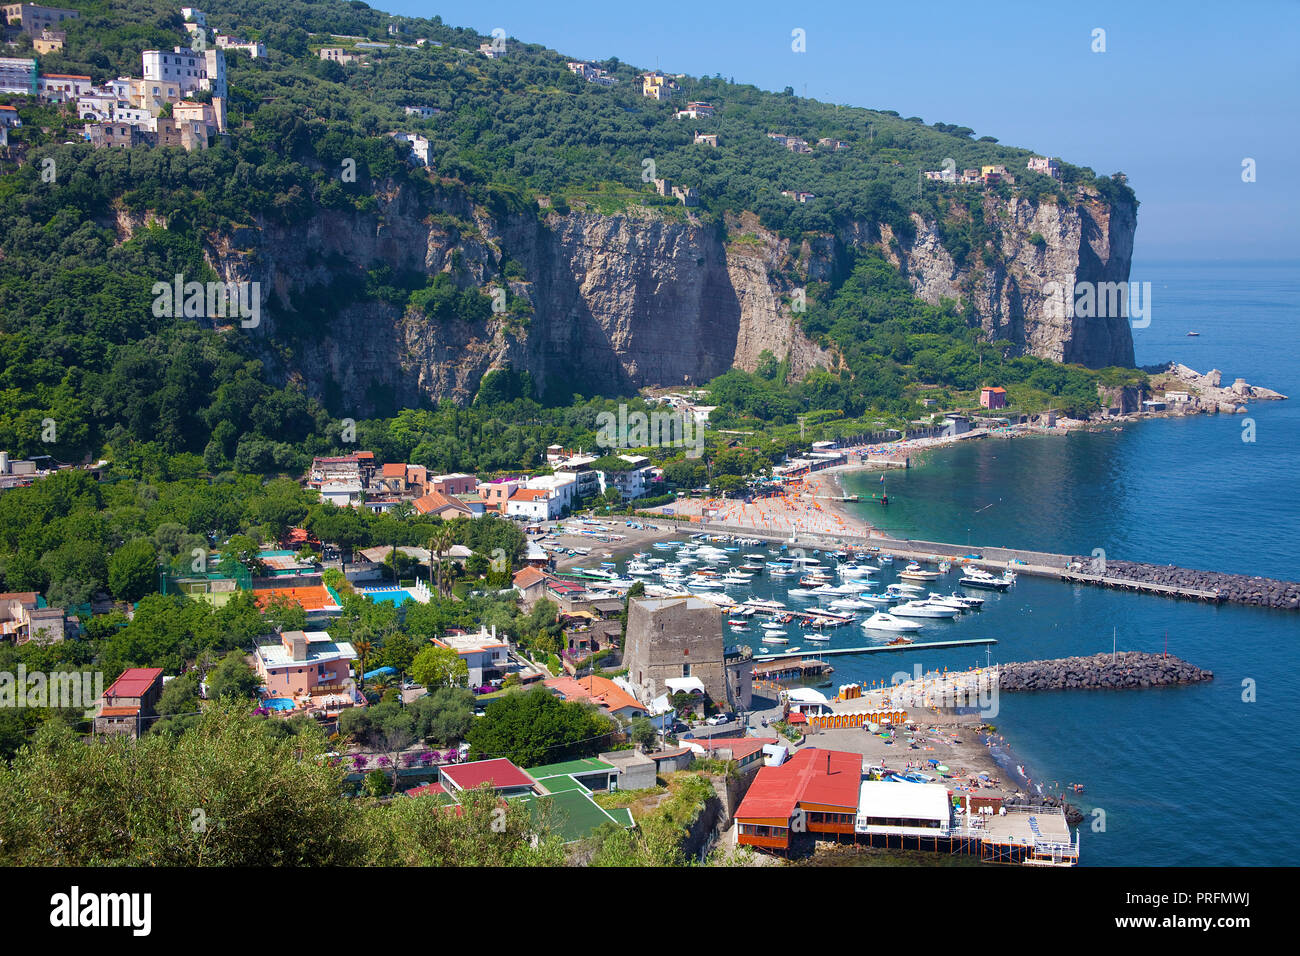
[(744, 750), (502, 775), (816, 791)]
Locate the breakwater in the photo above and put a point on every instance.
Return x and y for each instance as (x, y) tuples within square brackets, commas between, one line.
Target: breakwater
[(1128, 669), (1237, 588)]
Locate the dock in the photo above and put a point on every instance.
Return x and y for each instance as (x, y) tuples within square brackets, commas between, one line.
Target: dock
[(876, 648), (1142, 587)]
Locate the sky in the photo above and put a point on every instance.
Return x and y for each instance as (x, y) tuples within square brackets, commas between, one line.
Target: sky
[(1182, 96)]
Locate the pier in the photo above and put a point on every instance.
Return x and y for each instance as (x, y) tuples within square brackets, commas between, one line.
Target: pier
[(1143, 587), (874, 649)]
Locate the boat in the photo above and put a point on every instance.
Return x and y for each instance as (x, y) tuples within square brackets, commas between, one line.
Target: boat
[(926, 609), (1193, 334), (817, 637), (880, 621), (914, 572), (979, 578), (904, 589), (945, 600), (945, 567), (886, 559), (776, 637), (898, 640)]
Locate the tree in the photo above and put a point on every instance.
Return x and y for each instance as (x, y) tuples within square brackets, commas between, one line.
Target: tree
[(643, 732), (133, 570), (224, 794), (535, 727), (444, 716), (439, 544), (439, 667), (233, 678)]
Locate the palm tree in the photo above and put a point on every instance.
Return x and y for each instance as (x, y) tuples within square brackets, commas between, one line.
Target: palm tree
[(362, 647), (441, 543)]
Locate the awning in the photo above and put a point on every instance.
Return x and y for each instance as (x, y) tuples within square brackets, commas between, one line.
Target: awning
[(692, 685)]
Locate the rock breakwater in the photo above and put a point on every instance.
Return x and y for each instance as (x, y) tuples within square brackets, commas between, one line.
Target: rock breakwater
[(1237, 588), (1129, 669)]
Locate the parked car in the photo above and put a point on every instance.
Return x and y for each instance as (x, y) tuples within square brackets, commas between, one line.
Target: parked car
[(717, 719)]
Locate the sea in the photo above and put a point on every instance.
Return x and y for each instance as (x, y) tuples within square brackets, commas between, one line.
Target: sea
[(1180, 776)]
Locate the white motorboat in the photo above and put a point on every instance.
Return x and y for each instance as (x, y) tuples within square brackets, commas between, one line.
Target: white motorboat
[(819, 638), (856, 570), (776, 637), (972, 603), (925, 609), (849, 604), (880, 621), (952, 600)]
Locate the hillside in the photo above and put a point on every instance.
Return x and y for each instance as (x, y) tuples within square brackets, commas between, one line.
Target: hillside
[(377, 288)]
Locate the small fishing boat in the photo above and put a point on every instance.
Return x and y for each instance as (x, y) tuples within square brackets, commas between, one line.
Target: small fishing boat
[(1193, 334), (899, 640)]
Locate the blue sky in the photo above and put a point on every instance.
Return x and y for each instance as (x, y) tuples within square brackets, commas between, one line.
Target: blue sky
[(1183, 93)]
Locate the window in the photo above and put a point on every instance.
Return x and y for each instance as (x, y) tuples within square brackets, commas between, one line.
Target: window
[(686, 670)]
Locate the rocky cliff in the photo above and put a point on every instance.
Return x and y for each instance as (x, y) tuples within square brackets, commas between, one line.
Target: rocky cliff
[(620, 302), (1019, 287)]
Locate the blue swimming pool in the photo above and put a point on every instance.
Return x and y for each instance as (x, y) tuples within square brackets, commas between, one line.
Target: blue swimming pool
[(277, 703), (398, 596)]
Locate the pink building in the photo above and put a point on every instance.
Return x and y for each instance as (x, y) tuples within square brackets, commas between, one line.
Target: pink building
[(309, 669), (995, 397), (454, 484), (496, 494)]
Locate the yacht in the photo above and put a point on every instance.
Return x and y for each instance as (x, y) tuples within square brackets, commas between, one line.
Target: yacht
[(776, 637), (979, 578), (904, 589), (880, 621), (925, 609)]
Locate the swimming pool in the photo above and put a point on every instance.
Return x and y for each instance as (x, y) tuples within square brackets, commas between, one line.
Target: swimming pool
[(397, 596), (277, 703)]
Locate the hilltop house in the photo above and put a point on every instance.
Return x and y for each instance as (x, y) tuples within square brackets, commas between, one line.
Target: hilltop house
[(658, 86)]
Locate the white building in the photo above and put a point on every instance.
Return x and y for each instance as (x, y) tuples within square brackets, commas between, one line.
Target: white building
[(630, 483), (191, 70), (419, 146), (254, 50), (424, 112), (560, 490)]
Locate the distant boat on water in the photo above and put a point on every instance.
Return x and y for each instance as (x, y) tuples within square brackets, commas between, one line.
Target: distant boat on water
[(1193, 333)]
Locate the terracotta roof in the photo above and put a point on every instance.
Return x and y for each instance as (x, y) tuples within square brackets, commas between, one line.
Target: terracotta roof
[(529, 494), (119, 711), (499, 773), (811, 776), (436, 501), (527, 577), (134, 682), (24, 597), (996, 388), (601, 691), (394, 470)]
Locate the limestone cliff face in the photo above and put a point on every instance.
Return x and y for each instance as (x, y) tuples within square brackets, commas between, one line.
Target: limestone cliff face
[(621, 302), (1020, 297)]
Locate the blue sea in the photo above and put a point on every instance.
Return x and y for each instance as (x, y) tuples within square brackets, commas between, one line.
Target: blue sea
[(1182, 776)]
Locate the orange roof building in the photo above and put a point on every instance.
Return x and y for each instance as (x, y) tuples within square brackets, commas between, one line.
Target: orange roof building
[(314, 598), (816, 791), (601, 691)]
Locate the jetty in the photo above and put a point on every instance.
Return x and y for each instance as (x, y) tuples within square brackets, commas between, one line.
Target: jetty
[(1127, 669)]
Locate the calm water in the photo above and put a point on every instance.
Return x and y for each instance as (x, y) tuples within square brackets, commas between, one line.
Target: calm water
[(1185, 776)]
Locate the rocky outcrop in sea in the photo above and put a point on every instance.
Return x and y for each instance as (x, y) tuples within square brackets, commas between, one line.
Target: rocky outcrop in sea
[(1128, 669)]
